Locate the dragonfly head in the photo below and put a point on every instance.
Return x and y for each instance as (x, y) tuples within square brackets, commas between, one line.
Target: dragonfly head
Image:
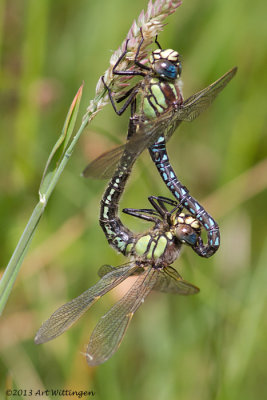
[(187, 228), (166, 63)]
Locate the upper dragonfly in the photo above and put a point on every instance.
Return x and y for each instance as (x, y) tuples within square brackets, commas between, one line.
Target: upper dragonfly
[(157, 109)]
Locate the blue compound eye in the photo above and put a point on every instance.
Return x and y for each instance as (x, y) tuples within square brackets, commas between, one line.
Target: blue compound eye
[(179, 66), (171, 71), (186, 234), (191, 239), (166, 69)]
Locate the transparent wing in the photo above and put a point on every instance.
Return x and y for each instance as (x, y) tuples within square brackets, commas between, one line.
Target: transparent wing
[(103, 167), (70, 312), (193, 106), (170, 281), (110, 330), (197, 103), (146, 134), (106, 268)]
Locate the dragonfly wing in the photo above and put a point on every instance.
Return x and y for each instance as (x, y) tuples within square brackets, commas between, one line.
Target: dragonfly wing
[(110, 330), (145, 133), (104, 166), (169, 121), (199, 102), (105, 269), (170, 281), (70, 312)]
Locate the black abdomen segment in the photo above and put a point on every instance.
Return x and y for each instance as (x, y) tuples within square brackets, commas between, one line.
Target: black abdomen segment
[(116, 233), (159, 155)]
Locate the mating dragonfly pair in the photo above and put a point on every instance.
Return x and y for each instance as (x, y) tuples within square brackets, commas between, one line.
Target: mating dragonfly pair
[(157, 109)]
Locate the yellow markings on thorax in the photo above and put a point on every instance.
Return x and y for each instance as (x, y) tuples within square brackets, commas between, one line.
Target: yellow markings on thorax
[(155, 105), (169, 235), (141, 245), (150, 252), (159, 95), (148, 109), (160, 247), (153, 246), (128, 248)]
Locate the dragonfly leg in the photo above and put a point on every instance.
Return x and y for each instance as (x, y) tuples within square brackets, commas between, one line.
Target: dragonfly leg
[(159, 206), (157, 43), (125, 95), (140, 65), (131, 96), (162, 200), (159, 155), (129, 72), (114, 71), (141, 213), (158, 202)]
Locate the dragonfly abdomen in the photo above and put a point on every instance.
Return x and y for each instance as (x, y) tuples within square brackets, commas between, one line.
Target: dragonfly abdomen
[(159, 155), (116, 233)]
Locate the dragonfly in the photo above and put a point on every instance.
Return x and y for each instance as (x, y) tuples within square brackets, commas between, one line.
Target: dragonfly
[(152, 254), (117, 234), (157, 109)]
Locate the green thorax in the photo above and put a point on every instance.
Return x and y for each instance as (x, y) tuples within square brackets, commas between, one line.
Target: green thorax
[(156, 246), (156, 96)]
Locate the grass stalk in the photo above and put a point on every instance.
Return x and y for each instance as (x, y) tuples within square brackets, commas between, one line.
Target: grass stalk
[(13, 267)]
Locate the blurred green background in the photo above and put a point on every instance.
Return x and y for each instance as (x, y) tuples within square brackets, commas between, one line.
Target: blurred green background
[(209, 346)]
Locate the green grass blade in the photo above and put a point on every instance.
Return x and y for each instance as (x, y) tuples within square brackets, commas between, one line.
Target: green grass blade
[(48, 184), (59, 148), (15, 262)]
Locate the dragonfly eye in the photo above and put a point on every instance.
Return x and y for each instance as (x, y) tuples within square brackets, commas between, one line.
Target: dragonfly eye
[(166, 69), (179, 68), (186, 234)]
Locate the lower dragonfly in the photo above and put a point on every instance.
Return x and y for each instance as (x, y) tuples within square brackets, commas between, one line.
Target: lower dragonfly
[(157, 109), (151, 255)]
